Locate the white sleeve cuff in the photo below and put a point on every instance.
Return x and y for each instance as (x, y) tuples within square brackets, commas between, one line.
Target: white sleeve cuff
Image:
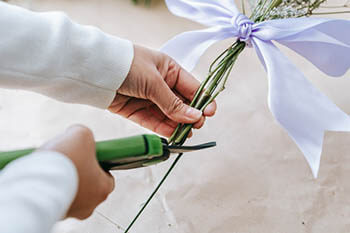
[(36, 190)]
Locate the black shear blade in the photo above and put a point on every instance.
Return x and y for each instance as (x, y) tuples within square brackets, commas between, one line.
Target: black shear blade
[(182, 149)]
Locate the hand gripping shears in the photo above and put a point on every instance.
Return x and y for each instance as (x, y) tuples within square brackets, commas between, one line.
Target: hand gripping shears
[(124, 153)]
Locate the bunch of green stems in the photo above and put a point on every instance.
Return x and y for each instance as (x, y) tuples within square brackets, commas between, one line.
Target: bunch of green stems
[(211, 87)]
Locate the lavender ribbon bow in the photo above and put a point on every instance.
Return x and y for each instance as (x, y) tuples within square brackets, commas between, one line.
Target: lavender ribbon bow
[(296, 104)]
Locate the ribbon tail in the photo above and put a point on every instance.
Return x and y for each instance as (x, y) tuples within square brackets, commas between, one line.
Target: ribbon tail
[(319, 40), (188, 47), (297, 105), (324, 44)]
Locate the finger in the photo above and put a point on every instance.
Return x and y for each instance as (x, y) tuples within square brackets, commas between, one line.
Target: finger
[(83, 214), (105, 187), (165, 131), (129, 106), (110, 182), (80, 131), (200, 123), (186, 85), (148, 120), (183, 82), (118, 103), (133, 106), (70, 140), (146, 114), (210, 109), (143, 110), (125, 105), (160, 115), (190, 134), (172, 106)]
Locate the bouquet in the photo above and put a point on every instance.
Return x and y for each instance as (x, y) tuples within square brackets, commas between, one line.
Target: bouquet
[(302, 110)]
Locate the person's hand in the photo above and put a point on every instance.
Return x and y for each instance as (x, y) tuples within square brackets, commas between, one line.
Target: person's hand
[(156, 94), (78, 144)]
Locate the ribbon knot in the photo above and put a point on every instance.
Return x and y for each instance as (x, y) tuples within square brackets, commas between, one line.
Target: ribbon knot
[(244, 27)]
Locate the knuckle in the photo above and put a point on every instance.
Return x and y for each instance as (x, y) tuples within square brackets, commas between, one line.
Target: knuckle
[(83, 132), (172, 63), (84, 214), (164, 57), (152, 86), (175, 106), (106, 189), (200, 123), (174, 68), (103, 195), (149, 89)]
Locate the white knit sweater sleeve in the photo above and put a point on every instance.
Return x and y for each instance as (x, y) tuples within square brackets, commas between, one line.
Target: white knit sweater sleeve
[(49, 54), (35, 192)]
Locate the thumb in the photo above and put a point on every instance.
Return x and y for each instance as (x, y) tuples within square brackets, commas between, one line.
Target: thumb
[(172, 106)]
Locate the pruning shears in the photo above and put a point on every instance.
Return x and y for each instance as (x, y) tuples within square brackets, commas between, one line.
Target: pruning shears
[(124, 153)]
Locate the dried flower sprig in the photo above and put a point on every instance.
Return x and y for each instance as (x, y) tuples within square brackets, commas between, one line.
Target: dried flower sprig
[(294, 9)]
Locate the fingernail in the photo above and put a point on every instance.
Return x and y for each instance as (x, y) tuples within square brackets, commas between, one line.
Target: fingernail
[(193, 113)]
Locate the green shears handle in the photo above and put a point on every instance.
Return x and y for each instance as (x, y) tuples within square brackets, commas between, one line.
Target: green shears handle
[(123, 153)]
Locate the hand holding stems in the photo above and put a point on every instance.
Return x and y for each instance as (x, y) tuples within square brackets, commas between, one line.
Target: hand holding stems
[(156, 94), (78, 144), (201, 97)]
